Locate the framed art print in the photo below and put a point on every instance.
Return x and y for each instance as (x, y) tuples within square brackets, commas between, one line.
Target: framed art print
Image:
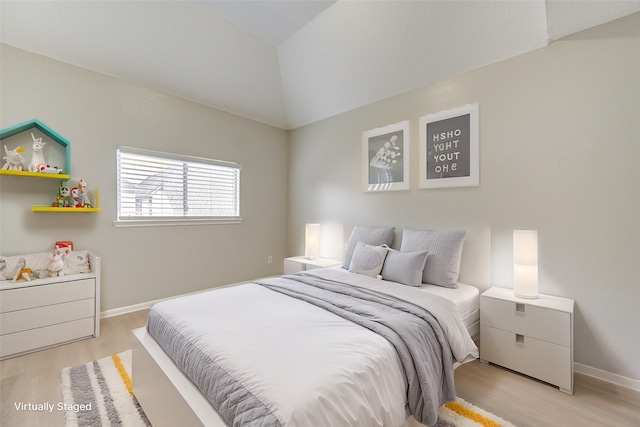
[(449, 148), (385, 158)]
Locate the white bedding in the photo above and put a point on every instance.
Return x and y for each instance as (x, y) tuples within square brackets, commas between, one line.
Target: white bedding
[(307, 365), (465, 297)]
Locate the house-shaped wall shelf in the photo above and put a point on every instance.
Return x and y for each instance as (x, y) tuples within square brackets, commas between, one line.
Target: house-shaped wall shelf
[(47, 132)]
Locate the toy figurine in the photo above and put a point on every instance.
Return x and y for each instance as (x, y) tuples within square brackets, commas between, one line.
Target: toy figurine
[(37, 158), (3, 266), (57, 264), (14, 161), (75, 199), (84, 197), (22, 272), (62, 199)]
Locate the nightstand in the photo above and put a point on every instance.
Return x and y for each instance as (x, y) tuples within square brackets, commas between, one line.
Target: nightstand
[(531, 336), (300, 263)]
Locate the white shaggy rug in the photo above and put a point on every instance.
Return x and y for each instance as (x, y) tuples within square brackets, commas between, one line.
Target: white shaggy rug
[(99, 394)]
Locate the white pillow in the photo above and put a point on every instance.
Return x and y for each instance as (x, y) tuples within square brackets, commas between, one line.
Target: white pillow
[(445, 251), (404, 267), (367, 259), (376, 236)]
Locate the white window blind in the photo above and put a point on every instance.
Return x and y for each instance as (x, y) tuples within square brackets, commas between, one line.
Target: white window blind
[(156, 187)]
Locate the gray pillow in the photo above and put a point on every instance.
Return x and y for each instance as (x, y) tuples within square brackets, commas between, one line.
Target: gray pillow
[(404, 267), (375, 236), (445, 251), (367, 259)]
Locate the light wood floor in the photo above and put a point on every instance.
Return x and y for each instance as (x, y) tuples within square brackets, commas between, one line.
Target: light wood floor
[(35, 378)]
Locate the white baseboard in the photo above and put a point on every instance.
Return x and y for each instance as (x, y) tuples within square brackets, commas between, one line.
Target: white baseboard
[(148, 304), (607, 376)]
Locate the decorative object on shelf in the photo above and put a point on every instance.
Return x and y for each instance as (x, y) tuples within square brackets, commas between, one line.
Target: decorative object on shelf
[(84, 198), (385, 158), (22, 271), (3, 267), (63, 197), (449, 148), (525, 263), (57, 262), (13, 160), (64, 244), (37, 156), (312, 241), (34, 126)]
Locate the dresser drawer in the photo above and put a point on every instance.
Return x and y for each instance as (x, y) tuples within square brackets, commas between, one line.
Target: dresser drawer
[(540, 359), (23, 320), (20, 342), (524, 319), (49, 294)]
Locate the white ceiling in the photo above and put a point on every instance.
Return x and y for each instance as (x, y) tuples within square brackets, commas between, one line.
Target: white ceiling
[(290, 63)]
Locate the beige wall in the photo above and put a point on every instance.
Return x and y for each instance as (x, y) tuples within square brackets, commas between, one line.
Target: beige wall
[(96, 113), (559, 152)]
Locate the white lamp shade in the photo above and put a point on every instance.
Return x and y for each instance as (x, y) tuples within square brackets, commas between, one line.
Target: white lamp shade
[(525, 263), (312, 241)]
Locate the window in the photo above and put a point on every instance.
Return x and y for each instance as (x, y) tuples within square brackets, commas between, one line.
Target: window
[(160, 188)]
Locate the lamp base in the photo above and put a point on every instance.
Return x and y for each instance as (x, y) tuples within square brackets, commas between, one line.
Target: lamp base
[(526, 296)]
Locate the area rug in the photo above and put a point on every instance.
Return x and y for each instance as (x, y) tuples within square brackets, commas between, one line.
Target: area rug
[(463, 414), (99, 394)]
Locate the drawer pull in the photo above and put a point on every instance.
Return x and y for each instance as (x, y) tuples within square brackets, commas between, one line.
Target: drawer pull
[(520, 308), (520, 339)]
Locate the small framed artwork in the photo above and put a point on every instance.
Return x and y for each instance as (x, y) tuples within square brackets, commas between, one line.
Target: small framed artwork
[(449, 148), (385, 158)]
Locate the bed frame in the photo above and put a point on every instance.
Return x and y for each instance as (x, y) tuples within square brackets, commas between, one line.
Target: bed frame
[(169, 398)]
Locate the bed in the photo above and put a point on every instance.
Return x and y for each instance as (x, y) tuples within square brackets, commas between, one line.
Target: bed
[(331, 346)]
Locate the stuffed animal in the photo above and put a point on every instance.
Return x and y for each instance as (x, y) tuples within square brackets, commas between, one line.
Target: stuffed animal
[(22, 272), (84, 198), (3, 267), (63, 197), (37, 158), (75, 199), (14, 161), (57, 263)]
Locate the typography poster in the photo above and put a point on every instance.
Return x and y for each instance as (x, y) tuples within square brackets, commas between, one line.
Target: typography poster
[(449, 148)]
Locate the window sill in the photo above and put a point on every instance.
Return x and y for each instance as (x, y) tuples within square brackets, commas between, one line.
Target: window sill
[(172, 222)]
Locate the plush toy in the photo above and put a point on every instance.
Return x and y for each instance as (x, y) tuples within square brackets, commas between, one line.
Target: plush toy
[(3, 267), (84, 197), (57, 263), (22, 272), (75, 199), (14, 161), (37, 158), (63, 197)]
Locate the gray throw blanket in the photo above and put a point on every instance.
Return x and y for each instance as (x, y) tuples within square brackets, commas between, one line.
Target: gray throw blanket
[(416, 335)]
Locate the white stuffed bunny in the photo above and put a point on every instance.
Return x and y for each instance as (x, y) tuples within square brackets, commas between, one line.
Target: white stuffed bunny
[(57, 264), (14, 161)]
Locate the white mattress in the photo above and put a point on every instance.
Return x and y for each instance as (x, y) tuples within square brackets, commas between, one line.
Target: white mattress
[(465, 297)]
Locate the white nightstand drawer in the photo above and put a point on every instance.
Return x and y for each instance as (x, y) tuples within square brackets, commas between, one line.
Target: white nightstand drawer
[(524, 319), (22, 320), (47, 294), (540, 359)]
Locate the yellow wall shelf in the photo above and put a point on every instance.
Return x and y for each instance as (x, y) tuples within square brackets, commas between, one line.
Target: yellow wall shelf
[(54, 209), (69, 209), (60, 176)]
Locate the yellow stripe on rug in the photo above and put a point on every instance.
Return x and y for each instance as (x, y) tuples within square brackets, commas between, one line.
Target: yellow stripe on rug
[(126, 379), (461, 413)]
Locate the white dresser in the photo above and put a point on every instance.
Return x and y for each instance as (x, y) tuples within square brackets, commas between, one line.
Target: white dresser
[(47, 312), (299, 263), (534, 337)]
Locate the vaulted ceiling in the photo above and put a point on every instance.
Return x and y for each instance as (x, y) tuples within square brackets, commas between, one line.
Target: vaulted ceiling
[(290, 63)]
